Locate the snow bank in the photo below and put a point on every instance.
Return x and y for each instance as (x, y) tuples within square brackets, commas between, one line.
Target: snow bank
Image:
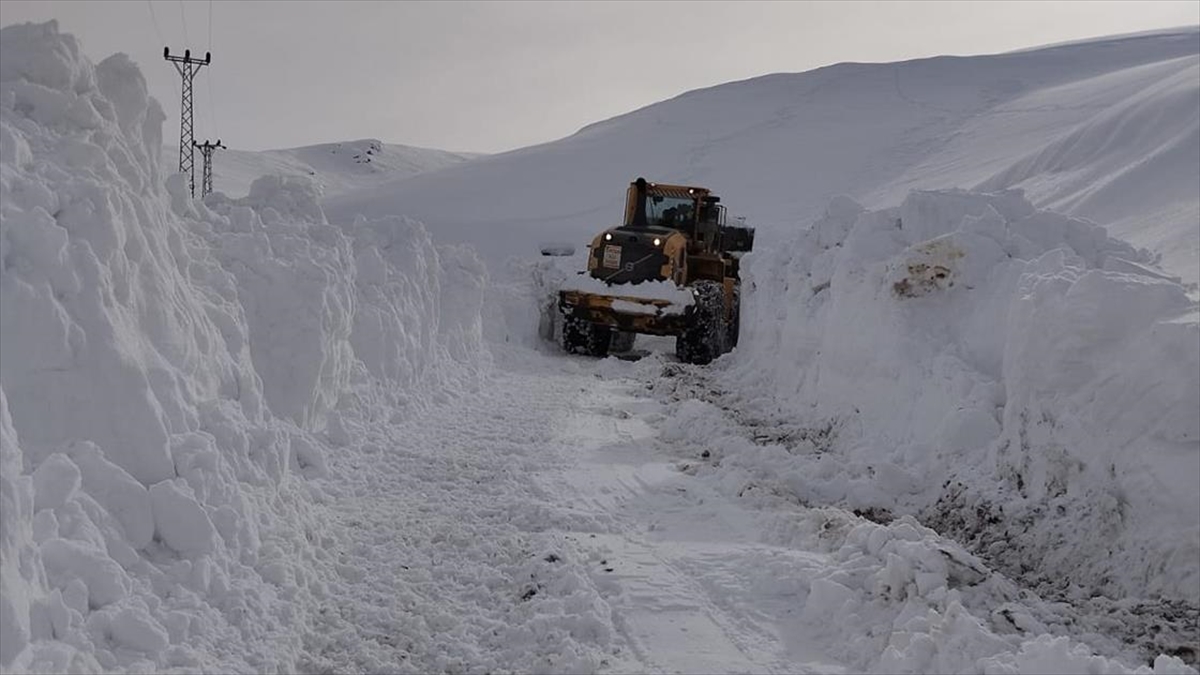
[(1014, 377), (377, 314), (171, 372), (898, 598), (885, 594), (521, 311)]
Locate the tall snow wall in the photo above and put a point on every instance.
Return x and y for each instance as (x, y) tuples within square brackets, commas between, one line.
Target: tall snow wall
[(173, 373), (1013, 377)]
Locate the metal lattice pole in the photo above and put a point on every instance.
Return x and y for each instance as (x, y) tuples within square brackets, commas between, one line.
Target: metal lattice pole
[(206, 151), (187, 68)]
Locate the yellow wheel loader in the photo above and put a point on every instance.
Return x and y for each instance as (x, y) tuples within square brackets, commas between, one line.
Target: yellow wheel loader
[(670, 269)]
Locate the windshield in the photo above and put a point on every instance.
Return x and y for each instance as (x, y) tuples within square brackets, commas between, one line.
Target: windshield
[(673, 212)]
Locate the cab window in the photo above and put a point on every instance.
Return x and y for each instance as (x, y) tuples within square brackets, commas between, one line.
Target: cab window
[(673, 212)]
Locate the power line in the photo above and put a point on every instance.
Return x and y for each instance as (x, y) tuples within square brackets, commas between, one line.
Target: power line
[(212, 106), (154, 20), (158, 31), (183, 20)]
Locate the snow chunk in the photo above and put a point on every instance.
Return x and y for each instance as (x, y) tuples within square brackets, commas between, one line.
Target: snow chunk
[(67, 561), (40, 55), (1048, 654), (627, 307), (180, 521), (16, 541), (54, 482), (135, 629), (113, 488), (645, 290), (286, 198)]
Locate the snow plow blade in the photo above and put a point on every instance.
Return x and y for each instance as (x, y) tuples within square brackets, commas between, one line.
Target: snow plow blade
[(649, 316)]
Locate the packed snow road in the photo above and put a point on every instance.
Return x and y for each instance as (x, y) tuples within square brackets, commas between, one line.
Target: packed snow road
[(691, 588), (539, 526), (548, 524)]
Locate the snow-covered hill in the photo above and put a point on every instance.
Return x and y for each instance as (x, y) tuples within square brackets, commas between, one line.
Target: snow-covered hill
[(335, 167), (1105, 129)]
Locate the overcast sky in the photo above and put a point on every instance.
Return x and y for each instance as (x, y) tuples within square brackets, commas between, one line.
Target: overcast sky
[(493, 76)]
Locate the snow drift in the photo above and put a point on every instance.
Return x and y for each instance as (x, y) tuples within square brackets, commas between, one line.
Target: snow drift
[(1131, 161), (1013, 377), (172, 371)]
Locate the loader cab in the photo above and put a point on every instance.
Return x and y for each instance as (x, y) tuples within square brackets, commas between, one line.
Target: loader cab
[(693, 211), (676, 213)]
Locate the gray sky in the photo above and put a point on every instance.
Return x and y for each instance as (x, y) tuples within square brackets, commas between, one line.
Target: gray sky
[(493, 76)]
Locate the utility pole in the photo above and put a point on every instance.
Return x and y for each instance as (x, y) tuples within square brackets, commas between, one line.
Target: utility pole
[(187, 67), (206, 150)]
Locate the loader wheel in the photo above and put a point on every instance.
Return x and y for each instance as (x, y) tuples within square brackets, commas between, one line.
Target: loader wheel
[(704, 338), (580, 336)]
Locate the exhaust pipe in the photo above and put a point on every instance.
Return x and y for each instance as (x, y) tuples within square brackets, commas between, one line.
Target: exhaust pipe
[(639, 207)]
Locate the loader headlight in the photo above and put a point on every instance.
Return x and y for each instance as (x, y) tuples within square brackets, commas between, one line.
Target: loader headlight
[(608, 236), (657, 241)]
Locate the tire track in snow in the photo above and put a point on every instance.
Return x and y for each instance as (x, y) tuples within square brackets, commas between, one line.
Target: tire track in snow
[(675, 570), (446, 555)]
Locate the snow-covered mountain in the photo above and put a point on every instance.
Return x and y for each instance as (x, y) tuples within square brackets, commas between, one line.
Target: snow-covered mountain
[(335, 167), (1105, 129)]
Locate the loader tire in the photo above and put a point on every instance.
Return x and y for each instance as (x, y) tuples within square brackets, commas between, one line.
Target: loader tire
[(580, 336), (704, 338)]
